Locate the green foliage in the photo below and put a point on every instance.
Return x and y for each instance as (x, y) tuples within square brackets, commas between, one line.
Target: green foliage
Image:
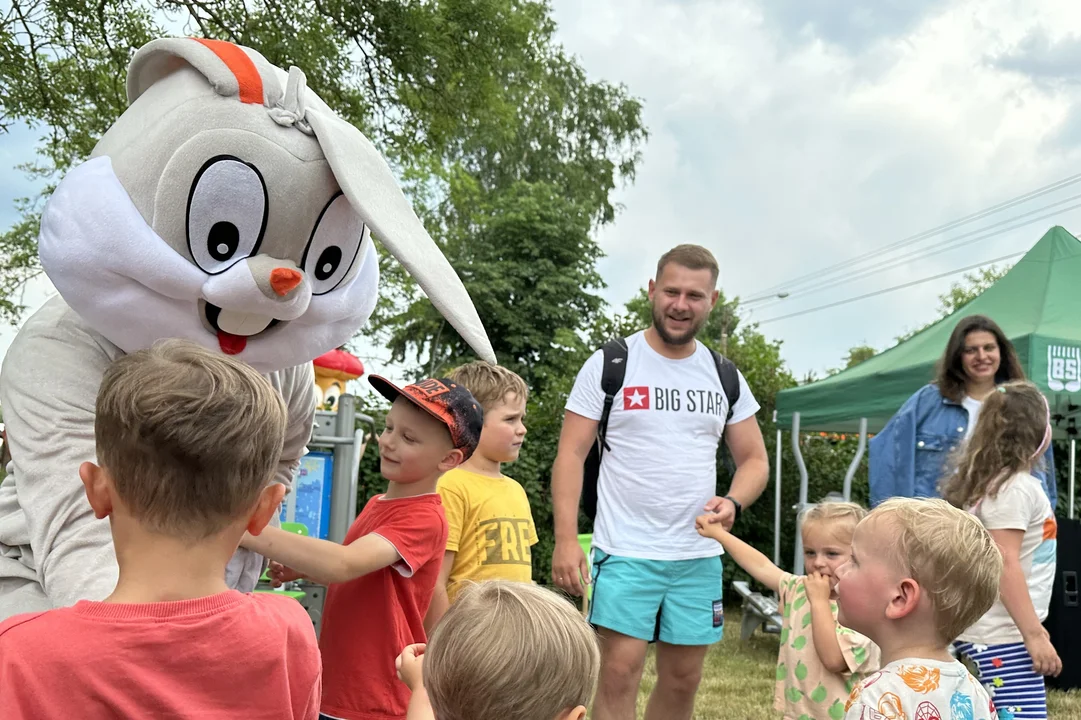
[(856, 355), (526, 257), (859, 354), (442, 88), (509, 151)]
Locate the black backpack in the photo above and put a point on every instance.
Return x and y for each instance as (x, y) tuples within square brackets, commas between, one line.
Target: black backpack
[(612, 374)]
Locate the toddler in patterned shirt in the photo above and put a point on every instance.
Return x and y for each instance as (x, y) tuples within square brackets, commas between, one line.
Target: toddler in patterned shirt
[(819, 661), (921, 572)]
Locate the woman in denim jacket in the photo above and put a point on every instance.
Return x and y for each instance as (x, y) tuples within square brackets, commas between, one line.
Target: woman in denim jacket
[(908, 458)]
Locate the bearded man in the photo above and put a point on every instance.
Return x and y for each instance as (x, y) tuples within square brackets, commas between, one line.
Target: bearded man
[(655, 579)]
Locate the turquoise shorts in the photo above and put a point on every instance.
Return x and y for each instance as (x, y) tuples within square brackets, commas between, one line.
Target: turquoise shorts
[(672, 601)]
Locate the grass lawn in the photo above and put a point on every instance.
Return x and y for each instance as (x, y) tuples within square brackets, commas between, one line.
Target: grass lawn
[(738, 680)]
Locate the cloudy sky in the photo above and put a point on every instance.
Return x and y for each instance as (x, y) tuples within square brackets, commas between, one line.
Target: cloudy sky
[(792, 135)]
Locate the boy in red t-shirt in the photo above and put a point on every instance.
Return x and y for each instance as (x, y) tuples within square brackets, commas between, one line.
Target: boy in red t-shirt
[(188, 442), (380, 582)]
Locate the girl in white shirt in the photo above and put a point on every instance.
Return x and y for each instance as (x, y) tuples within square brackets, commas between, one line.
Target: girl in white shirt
[(1009, 648)]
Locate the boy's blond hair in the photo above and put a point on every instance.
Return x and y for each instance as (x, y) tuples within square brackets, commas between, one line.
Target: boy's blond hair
[(513, 651), (489, 383), (834, 512), (949, 553), (189, 437)]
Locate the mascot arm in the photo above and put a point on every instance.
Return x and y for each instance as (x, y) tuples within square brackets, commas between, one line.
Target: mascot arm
[(298, 390), (48, 391)]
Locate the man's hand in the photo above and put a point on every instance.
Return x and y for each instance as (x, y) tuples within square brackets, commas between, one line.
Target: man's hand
[(818, 588), (410, 666), (570, 568), (279, 574), (710, 526), (724, 511)]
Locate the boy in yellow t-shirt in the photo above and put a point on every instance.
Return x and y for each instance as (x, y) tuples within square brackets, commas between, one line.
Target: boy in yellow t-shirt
[(491, 525)]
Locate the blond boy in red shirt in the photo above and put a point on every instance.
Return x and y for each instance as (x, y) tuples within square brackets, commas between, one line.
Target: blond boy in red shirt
[(187, 441), (380, 581)]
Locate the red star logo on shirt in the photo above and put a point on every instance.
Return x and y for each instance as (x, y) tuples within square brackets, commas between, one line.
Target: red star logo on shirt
[(636, 398)]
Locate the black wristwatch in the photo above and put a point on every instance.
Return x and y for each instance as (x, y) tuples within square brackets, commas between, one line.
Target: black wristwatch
[(735, 503)]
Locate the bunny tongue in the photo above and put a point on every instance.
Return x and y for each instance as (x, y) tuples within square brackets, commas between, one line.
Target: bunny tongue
[(231, 344)]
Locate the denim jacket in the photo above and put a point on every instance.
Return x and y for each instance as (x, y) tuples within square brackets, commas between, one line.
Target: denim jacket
[(908, 457)]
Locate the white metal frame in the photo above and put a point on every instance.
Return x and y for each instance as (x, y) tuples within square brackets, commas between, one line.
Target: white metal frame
[(802, 504)]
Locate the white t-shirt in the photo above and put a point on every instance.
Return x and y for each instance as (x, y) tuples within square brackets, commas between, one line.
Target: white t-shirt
[(661, 468), (1021, 504), (919, 689), (973, 406)]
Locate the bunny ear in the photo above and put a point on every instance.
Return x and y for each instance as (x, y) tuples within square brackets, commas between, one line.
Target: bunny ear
[(367, 181), (232, 70)]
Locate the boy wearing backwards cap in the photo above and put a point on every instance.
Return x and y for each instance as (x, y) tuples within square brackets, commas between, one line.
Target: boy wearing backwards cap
[(380, 582)]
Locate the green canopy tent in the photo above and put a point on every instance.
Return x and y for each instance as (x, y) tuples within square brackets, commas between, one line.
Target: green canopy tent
[(1038, 306)]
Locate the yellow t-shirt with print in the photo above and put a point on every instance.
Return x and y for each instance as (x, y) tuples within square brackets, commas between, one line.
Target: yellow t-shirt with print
[(491, 528)]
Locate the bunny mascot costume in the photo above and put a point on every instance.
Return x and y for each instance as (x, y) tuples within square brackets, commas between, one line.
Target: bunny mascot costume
[(230, 206)]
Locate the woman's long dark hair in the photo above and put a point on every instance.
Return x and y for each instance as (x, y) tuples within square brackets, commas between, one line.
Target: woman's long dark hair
[(951, 376)]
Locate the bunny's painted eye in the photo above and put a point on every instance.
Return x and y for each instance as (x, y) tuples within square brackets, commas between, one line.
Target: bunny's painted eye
[(227, 213), (334, 245)]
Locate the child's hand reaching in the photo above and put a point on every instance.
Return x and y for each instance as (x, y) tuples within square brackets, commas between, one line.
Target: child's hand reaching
[(818, 588), (709, 525), (410, 666), (279, 574)]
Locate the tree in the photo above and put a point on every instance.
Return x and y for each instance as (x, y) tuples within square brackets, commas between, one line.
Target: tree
[(961, 294), (526, 257), (855, 356), (441, 87), (509, 151), (859, 354)]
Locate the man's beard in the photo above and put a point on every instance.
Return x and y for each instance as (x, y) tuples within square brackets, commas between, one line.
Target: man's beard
[(675, 340)]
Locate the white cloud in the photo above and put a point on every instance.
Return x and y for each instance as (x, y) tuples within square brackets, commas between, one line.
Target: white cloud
[(788, 137)]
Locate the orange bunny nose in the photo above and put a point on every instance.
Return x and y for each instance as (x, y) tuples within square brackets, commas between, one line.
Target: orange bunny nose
[(283, 280)]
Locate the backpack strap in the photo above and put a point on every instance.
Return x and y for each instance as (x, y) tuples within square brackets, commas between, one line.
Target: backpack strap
[(726, 370), (612, 373)]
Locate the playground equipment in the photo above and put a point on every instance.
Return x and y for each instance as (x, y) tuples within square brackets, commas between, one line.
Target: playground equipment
[(324, 496), (332, 371), (290, 589), (586, 542)]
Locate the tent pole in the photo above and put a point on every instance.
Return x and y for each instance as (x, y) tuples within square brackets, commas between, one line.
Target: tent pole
[(798, 562), (1073, 474), (777, 504), (856, 460)]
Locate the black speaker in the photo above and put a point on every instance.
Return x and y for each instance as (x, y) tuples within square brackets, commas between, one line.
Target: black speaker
[(1064, 616)]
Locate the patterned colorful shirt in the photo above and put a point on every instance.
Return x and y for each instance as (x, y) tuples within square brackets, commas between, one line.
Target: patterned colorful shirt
[(805, 689), (919, 689)]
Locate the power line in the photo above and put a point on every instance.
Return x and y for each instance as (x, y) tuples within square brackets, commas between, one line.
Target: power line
[(891, 289), (927, 234), (951, 244), (832, 269)]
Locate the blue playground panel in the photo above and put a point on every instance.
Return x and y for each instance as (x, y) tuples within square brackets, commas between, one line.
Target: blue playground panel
[(312, 488)]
